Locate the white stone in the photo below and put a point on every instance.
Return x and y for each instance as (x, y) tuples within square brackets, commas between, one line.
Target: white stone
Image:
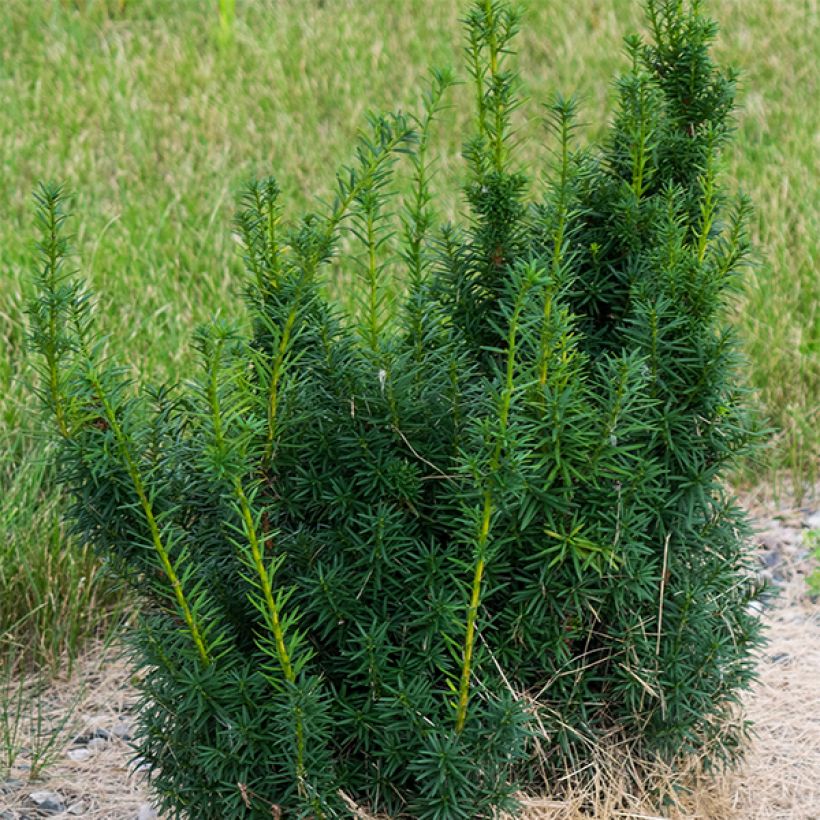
[(79, 755)]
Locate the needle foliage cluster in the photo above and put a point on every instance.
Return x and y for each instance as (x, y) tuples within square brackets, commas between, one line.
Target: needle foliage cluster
[(422, 557)]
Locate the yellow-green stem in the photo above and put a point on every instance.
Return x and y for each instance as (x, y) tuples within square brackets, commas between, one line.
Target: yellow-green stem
[(472, 615), (708, 214), (484, 530), (275, 622), (54, 388), (372, 284), (544, 364), (148, 510), (499, 114), (264, 581), (258, 562)]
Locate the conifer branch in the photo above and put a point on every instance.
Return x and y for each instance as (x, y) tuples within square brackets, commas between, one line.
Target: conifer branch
[(563, 115), (64, 306), (277, 369), (49, 312), (418, 214), (138, 482), (212, 347), (530, 276)]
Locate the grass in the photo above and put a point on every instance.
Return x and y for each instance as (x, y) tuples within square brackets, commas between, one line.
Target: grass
[(155, 120), (29, 729), (52, 595)]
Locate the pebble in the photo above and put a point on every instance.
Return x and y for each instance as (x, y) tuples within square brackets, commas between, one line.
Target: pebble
[(769, 559), (49, 802), (785, 548), (10, 785), (146, 812), (95, 734), (122, 729), (97, 743), (780, 657), (79, 755)]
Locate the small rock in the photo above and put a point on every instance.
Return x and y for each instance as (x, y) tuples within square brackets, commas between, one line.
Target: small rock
[(122, 729), (812, 521), (50, 802), (10, 785), (76, 808), (95, 734), (97, 743), (79, 755), (769, 559), (146, 812), (780, 657)]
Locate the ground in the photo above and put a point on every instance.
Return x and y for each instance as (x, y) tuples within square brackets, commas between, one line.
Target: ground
[(93, 774)]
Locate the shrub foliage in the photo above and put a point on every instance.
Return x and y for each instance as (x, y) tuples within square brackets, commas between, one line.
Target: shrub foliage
[(424, 556)]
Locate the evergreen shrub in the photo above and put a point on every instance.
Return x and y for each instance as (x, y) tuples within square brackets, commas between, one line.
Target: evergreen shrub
[(425, 556)]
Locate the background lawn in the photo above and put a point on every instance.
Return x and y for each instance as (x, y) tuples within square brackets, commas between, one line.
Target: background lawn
[(155, 123)]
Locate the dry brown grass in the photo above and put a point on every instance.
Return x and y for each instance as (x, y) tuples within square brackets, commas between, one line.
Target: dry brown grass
[(103, 787), (780, 779)]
